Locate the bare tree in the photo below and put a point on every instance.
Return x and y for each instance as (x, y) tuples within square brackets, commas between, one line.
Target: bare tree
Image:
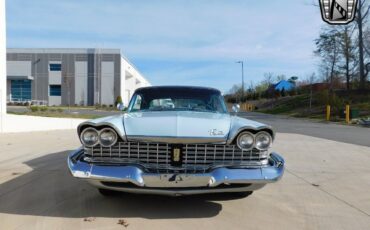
[(347, 52), (311, 80), (268, 78), (328, 48), (281, 77), (363, 8)]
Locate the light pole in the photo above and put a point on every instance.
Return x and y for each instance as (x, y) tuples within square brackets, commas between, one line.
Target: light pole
[(241, 62)]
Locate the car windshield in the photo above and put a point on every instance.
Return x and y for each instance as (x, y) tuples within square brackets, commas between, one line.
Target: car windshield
[(177, 99)]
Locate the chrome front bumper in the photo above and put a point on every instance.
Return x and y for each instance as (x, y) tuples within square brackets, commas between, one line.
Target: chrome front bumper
[(133, 178)]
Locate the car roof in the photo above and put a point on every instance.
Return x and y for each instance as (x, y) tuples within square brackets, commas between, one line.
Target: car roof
[(168, 87)]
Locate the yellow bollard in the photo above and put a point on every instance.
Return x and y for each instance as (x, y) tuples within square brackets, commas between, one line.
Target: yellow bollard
[(347, 114), (328, 112)]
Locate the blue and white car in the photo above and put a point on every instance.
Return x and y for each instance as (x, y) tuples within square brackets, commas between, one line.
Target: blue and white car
[(176, 140)]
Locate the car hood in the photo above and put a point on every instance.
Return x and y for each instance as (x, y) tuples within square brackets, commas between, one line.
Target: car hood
[(177, 126)]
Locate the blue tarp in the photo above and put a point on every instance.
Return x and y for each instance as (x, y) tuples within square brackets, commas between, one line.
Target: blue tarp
[(286, 85)]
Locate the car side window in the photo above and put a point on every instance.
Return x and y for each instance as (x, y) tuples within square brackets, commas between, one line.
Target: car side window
[(137, 103), (161, 103)]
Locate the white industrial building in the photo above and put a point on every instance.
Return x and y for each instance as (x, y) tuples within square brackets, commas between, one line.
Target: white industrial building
[(63, 76), (2, 62)]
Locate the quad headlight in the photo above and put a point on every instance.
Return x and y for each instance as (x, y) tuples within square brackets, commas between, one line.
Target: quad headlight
[(263, 140), (91, 137), (107, 137), (247, 140)]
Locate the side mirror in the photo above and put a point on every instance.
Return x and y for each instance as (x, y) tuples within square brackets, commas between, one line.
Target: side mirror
[(120, 107), (236, 108)]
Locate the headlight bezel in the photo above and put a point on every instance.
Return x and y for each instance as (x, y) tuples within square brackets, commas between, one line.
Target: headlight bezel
[(240, 136), (86, 130), (263, 133), (255, 135), (98, 131), (112, 131)]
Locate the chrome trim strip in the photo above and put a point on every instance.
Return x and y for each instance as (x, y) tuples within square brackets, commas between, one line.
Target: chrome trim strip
[(178, 140), (177, 191)]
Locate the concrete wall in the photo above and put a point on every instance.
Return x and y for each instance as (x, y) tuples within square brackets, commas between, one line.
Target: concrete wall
[(20, 123), (8, 89), (55, 100), (19, 68), (81, 82), (55, 77), (2, 62), (133, 79), (122, 82), (107, 83)]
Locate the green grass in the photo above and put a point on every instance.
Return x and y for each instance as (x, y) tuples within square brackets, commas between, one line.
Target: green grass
[(298, 106), (282, 109), (287, 105)]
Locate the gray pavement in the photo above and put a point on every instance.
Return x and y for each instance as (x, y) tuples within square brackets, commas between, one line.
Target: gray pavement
[(344, 133), (325, 186)]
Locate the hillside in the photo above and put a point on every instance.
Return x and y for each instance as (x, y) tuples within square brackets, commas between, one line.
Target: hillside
[(299, 106)]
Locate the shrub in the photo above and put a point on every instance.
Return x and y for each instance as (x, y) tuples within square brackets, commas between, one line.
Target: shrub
[(283, 94), (323, 97), (34, 108), (43, 108), (326, 98), (118, 101)]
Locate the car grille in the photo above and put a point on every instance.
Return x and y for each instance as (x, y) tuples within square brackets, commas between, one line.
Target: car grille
[(159, 157)]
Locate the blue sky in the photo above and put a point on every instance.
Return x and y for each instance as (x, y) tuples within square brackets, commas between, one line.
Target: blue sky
[(178, 42)]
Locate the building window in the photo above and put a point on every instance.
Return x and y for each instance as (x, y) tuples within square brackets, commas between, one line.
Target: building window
[(55, 67), (20, 90), (55, 90)]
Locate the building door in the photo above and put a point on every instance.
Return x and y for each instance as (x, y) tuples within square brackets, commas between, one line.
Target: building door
[(20, 90)]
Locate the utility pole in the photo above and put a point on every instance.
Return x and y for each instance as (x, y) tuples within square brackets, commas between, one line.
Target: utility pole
[(241, 62)]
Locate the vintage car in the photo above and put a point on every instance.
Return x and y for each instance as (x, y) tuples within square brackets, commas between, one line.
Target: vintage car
[(176, 140)]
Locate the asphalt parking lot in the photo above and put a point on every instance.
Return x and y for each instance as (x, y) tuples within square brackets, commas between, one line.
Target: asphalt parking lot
[(326, 186), (351, 134)]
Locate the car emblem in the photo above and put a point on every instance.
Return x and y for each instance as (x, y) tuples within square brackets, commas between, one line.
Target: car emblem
[(215, 132), (176, 154), (175, 178), (338, 11)]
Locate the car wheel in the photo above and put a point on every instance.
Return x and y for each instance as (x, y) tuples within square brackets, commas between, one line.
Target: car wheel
[(107, 192)]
